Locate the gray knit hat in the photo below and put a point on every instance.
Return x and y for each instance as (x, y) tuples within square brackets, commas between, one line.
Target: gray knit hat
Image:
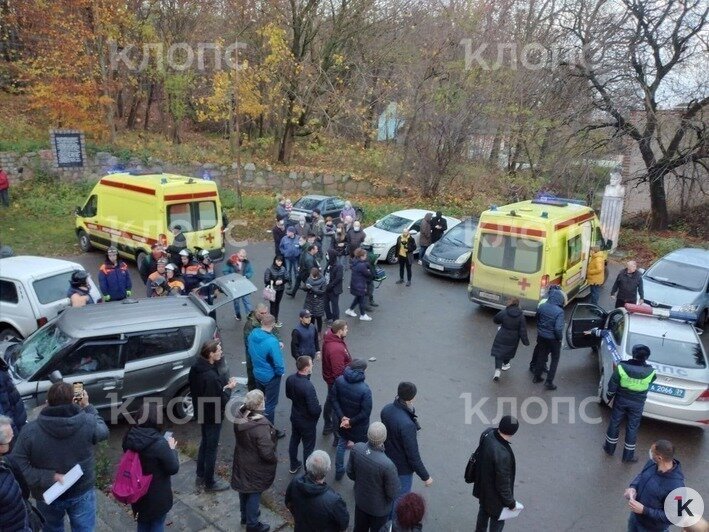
[(377, 433)]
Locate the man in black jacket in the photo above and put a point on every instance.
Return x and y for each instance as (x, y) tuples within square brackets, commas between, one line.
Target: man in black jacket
[(376, 480), (401, 445), (307, 262), (439, 225), (210, 392), (495, 475), (305, 412), (12, 491), (315, 505), (628, 286)]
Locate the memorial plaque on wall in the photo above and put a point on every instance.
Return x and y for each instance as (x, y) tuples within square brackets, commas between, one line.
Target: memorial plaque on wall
[(68, 147)]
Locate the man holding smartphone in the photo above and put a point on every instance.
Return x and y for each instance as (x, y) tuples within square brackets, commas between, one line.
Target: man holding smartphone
[(210, 392)]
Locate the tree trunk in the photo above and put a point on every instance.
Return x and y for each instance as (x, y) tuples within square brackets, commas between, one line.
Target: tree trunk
[(133, 113), (496, 144), (659, 219), (148, 105)]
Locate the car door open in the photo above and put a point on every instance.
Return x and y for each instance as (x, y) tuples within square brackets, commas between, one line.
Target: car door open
[(584, 317), (221, 291)]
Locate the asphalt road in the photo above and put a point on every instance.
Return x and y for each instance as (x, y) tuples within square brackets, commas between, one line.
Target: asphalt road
[(432, 335)]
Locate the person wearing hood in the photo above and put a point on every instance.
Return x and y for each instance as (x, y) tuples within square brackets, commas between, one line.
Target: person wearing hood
[(352, 406), (348, 211), (334, 273), (70, 427), (376, 482), (405, 248), (512, 328), (114, 278), (355, 237), (289, 249), (401, 445), (315, 506), (439, 225), (335, 358), (647, 492), (276, 277), (315, 296), (550, 331), (304, 414), (267, 360), (159, 458), (254, 467), (79, 292), (425, 235), (210, 390)]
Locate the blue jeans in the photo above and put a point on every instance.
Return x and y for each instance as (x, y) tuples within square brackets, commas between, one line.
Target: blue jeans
[(81, 510), (595, 293), (291, 268), (361, 301), (207, 456), (246, 300), (634, 526), (405, 483), (249, 503), (156, 525), (340, 456), (305, 433), (271, 390)]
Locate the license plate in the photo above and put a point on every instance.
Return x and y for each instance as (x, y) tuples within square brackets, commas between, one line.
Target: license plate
[(667, 390), (435, 266), (491, 297)]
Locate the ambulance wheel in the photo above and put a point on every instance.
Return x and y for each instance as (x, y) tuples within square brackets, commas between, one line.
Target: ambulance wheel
[(391, 256), (140, 257), (182, 404), (84, 241)]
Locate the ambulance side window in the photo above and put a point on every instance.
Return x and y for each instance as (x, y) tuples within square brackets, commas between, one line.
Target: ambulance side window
[(179, 214), (574, 248), (206, 215), (91, 208)]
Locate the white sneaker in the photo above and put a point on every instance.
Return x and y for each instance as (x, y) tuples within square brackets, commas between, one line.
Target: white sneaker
[(505, 367), (351, 312), (364, 317), (497, 375)]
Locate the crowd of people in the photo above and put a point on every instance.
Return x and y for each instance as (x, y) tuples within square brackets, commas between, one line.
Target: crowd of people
[(380, 457)]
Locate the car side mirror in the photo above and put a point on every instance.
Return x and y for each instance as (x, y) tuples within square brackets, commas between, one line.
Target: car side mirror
[(55, 376), (641, 270), (413, 232), (77, 211)]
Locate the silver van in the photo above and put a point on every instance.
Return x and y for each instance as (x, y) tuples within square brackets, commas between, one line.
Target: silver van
[(123, 351)]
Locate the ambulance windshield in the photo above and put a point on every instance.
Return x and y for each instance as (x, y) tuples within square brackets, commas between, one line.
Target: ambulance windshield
[(509, 252)]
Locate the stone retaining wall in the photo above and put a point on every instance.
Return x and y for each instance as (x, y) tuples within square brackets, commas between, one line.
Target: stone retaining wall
[(26, 166)]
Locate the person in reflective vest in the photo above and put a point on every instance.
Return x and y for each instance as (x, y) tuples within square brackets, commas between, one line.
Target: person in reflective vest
[(628, 389)]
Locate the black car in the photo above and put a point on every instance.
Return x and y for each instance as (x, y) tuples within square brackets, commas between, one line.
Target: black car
[(328, 205), (450, 256)]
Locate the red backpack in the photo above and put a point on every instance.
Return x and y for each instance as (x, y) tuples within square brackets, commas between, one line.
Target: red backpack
[(130, 483)]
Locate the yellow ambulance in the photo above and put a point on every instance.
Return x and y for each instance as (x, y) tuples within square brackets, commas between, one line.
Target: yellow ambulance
[(522, 248), (132, 211)]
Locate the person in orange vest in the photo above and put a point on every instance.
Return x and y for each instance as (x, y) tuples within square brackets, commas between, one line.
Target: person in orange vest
[(189, 269), (596, 275), (114, 278), (159, 272)]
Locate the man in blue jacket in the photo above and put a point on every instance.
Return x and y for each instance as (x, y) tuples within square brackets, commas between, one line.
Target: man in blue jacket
[(550, 331), (114, 277), (401, 444), (352, 405), (305, 412), (648, 491), (290, 249), (267, 360)]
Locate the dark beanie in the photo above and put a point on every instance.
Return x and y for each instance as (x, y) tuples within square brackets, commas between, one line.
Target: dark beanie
[(508, 425), (406, 391), (641, 352), (358, 363)]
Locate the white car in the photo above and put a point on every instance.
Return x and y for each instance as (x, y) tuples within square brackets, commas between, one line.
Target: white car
[(33, 290), (385, 231)]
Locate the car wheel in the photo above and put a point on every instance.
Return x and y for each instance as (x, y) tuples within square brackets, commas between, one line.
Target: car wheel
[(391, 256), (182, 404), (140, 257), (84, 241), (359, 214), (9, 334), (599, 393)]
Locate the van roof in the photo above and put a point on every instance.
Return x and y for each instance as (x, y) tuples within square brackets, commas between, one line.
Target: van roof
[(543, 213), (130, 316), (28, 267), (155, 182)]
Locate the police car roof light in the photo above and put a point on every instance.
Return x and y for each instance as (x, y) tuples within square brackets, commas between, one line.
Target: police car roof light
[(678, 315)]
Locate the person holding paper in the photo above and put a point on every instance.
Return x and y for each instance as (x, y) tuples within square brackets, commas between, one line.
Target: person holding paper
[(70, 427), (495, 475)]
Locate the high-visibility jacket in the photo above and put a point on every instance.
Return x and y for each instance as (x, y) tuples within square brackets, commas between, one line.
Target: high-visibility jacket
[(632, 379)]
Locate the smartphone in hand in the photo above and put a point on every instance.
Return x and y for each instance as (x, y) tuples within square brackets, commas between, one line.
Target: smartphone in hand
[(78, 391)]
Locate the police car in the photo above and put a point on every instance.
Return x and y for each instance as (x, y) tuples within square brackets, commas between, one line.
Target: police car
[(680, 394)]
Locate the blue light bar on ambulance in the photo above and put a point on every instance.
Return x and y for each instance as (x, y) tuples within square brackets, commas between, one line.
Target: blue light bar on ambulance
[(116, 169), (673, 314), (550, 199)]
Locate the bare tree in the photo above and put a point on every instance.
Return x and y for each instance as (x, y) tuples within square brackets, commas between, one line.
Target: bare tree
[(637, 58)]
